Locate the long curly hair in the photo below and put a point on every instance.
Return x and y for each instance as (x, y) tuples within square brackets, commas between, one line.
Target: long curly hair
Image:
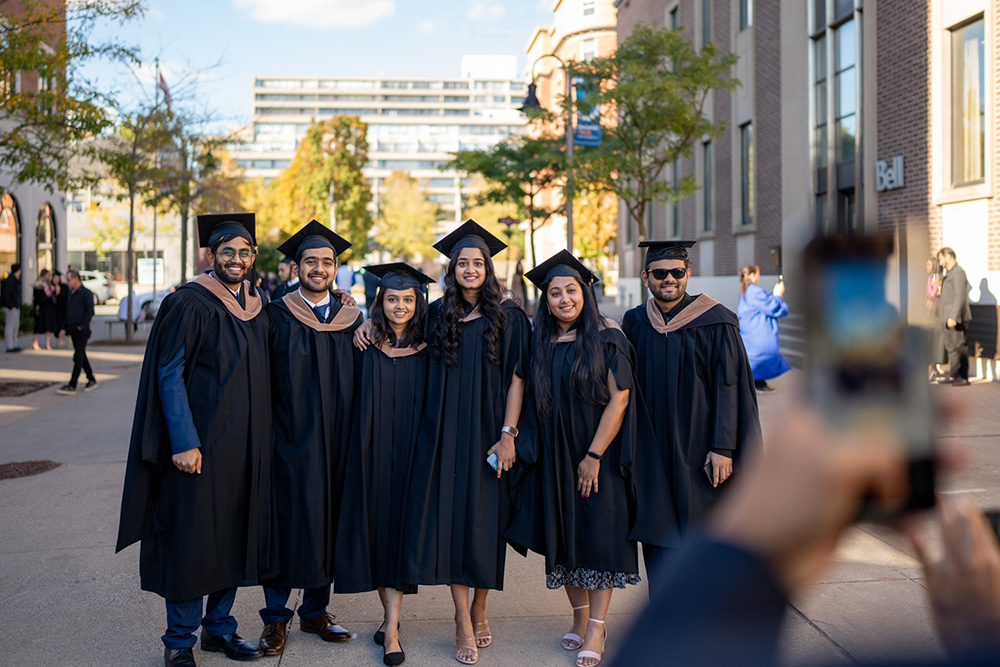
[(745, 273), (382, 331), (447, 330), (589, 376)]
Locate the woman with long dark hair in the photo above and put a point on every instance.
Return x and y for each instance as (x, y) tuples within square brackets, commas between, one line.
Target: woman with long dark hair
[(456, 515), (391, 377), (577, 502)]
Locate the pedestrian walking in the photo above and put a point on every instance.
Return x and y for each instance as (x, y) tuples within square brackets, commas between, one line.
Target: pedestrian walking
[(197, 480), (312, 375), (691, 365), (62, 296), (79, 313), (759, 312), (392, 379), (576, 503), (44, 310), (10, 301), (954, 315)]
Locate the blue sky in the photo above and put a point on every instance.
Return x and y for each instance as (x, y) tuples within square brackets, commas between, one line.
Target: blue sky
[(314, 38)]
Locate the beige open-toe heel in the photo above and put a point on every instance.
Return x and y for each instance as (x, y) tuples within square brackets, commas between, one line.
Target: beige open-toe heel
[(466, 651), (583, 658), (482, 641), (572, 641)]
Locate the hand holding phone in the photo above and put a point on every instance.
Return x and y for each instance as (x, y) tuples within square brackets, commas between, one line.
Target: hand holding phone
[(492, 460)]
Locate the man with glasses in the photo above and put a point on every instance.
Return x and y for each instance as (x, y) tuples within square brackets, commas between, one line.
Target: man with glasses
[(696, 381), (197, 481), (312, 370)]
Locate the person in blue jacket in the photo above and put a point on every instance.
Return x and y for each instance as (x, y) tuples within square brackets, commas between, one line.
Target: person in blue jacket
[(759, 313)]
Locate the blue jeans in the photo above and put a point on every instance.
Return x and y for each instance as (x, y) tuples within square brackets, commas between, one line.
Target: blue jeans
[(314, 603), (183, 618)]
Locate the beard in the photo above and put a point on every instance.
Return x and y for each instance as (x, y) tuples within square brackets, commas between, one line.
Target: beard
[(660, 293), (219, 267)]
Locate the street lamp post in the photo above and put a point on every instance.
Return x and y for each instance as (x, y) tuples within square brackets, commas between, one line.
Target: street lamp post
[(508, 231), (531, 102)]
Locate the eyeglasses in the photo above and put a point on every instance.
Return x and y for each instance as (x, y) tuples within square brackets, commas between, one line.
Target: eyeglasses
[(661, 274), (228, 254)]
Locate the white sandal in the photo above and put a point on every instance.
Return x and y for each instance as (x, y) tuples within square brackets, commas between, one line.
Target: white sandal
[(572, 636), (583, 655)]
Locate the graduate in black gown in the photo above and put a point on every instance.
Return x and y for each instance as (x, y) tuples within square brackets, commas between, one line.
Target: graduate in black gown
[(391, 378), (312, 374), (692, 367), (581, 442), (475, 386), (197, 481)]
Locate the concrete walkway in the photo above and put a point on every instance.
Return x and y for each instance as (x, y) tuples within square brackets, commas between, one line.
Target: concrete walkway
[(66, 598)]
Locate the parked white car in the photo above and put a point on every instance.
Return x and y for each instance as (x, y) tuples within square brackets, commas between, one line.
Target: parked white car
[(97, 283)]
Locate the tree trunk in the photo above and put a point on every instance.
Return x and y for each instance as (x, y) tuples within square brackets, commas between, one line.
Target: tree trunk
[(534, 257), (641, 225), (130, 258), (185, 212)]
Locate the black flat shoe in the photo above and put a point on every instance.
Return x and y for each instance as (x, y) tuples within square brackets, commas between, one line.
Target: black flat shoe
[(379, 636), (178, 657), (232, 645), (394, 658)]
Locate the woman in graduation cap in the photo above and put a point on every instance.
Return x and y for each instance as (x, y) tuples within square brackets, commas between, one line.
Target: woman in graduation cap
[(455, 516), (391, 376), (577, 503)]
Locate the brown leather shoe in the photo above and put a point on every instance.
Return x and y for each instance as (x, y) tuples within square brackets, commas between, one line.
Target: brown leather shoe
[(272, 639), (324, 626)]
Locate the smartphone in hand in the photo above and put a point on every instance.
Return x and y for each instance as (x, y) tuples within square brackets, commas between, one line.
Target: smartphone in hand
[(492, 460)]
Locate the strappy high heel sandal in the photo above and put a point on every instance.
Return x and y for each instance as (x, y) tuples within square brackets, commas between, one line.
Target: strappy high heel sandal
[(592, 655), (486, 639), (571, 637), (466, 651)]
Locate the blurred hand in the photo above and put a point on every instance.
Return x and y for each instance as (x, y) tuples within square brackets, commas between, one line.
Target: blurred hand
[(779, 289), (952, 323), (722, 467), (587, 473), (362, 335), (189, 461), (964, 586), (793, 503), (506, 452), (345, 297)]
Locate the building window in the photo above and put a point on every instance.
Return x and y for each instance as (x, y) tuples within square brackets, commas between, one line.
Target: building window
[(821, 144), (675, 183), (706, 22), (845, 77), (674, 18), (589, 7), (746, 173), (708, 187), (588, 49), (10, 234), (46, 239), (820, 227), (968, 104), (746, 14)]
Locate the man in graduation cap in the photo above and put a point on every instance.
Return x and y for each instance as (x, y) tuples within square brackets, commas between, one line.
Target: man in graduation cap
[(696, 381), (312, 371), (288, 279), (197, 481)]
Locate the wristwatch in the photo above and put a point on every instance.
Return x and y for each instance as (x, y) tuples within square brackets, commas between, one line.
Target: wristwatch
[(595, 455), (510, 429)]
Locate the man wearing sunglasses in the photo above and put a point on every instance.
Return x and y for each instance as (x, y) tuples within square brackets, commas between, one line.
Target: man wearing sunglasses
[(198, 477), (696, 381)]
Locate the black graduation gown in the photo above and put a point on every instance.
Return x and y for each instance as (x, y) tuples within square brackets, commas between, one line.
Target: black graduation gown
[(388, 408), (551, 518), (312, 375), (698, 385), (456, 513), (203, 533)]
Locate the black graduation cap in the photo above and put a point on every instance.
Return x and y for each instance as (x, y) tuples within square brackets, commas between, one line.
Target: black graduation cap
[(470, 235), (666, 250), (314, 235), (563, 263), (213, 227), (398, 275)]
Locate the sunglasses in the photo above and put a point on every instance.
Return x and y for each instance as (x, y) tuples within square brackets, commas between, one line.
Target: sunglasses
[(661, 274)]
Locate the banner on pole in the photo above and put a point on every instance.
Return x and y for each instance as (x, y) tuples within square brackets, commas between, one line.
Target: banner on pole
[(588, 114)]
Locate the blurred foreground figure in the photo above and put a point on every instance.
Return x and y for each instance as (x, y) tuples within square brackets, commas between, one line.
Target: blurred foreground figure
[(722, 598)]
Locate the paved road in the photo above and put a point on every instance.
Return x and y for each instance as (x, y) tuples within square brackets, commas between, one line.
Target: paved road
[(66, 598)]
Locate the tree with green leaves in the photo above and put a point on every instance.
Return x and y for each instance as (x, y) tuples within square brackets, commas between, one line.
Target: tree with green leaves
[(516, 171), (655, 86), (406, 219), (45, 123), (326, 173)]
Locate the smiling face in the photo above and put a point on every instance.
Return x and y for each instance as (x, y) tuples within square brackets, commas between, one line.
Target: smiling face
[(470, 269), (232, 260), (317, 270), (399, 305), (669, 289), (564, 297)]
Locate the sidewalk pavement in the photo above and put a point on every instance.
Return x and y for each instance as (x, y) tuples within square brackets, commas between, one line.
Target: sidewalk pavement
[(68, 599)]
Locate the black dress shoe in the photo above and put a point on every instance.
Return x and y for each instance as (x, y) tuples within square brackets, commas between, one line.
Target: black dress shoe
[(324, 626), (272, 639), (394, 658), (960, 382), (178, 657), (232, 645), (379, 636)]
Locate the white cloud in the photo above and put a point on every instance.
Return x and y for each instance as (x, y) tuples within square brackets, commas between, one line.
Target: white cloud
[(425, 27), (318, 13), (543, 6), (481, 10)]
